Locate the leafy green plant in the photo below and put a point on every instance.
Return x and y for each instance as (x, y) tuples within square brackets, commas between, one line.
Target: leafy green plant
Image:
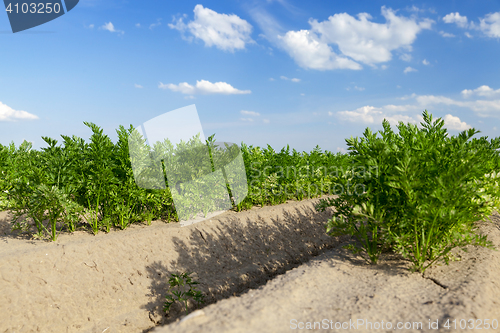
[(182, 290), (424, 197), (40, 189), (4, 184), (275, 177), (98, 175), (24, 173), (123, 212), (60, 181), (95, 176), (58, 206)]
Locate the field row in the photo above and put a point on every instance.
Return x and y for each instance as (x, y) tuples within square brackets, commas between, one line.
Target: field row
[(417, 192)]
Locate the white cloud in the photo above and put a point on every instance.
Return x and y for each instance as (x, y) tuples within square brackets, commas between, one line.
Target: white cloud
[(154, 25), (409, 69), (357, 39), (250, 113), (369, 42), (415, 9), (400, 108), (446, 34), (405, 57), (406, 96), (411, 111), (271, 79), (431, 99), (138, 86), (359, 88), (454, 123), (266, 121), (293, 80), (183, 87), (91, 26), (111, 28), (483, 108), (218, 88), (226, 32), (383, 67), (138, 25), (204, 87), (308, 52), (247, 119), (9, 114), (425, 62), (461, 21), (483, 90), (420, 10), (374, 115), (395, 119), (365, 114), (490, 25), (267, 24), (288, 6)]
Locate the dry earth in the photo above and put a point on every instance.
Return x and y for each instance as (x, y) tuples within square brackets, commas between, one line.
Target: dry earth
[(117, 282), (338, 292)]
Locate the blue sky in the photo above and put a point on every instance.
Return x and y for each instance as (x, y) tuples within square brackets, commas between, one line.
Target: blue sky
[(262, 72)]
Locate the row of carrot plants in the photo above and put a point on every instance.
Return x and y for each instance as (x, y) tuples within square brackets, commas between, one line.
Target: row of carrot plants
[(77, 184), (418, 192), (423, 192)]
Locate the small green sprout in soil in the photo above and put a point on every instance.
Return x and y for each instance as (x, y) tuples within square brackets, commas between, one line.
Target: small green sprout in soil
[(181, 290)]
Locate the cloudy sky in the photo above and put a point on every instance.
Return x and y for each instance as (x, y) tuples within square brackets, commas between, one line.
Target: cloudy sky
[(262, 72)]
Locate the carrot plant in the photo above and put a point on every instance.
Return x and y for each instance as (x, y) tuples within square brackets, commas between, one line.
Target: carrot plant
[(275, 177), (425, 196), (97, 176), (182, 289), (58, 207), (4, 183), (23, 174)]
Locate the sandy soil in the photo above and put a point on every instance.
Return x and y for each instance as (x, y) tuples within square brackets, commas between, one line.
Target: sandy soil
[(117, 282), (337, 291)]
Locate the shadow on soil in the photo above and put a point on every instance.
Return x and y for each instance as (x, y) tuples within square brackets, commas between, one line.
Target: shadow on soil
[(235, 257)]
